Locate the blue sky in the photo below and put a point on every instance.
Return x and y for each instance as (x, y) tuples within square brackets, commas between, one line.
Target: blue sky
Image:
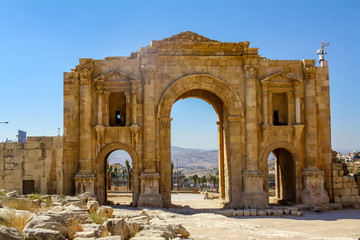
[(39, 40)]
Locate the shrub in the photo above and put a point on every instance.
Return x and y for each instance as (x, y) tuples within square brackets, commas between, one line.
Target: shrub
[(13, 220), (21, 204), (98, 218), (73, 225), (36, 196), (2, 193)]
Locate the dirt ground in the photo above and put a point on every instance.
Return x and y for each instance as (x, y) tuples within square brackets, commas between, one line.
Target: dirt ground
[(202, 225)]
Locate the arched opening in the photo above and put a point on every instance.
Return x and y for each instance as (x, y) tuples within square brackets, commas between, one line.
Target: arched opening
[(197, 152), (282, 180), (228, 107), (118, 178)]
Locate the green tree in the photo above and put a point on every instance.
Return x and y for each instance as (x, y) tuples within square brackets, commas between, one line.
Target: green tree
[(128, 168), (203, 179), (195, 178), (116, 171)]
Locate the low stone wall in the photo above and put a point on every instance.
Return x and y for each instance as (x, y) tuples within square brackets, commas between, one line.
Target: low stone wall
[(32, 167), (345, 188)]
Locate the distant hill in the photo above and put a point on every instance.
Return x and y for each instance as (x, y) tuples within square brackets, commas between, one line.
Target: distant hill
[(187, 157)]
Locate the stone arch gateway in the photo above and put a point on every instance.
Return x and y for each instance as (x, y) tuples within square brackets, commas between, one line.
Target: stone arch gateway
[(229, 109), (125, 102)]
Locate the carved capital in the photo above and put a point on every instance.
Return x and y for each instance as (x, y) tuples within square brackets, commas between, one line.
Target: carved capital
[(250, 71), (310, 73), (86, 68)]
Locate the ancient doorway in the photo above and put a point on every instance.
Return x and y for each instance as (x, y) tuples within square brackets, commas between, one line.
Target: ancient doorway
[(282, 180), (195, 154), (119, 178)]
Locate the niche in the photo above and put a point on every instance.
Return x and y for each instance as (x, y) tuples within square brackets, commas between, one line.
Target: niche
[(280, 109), (117, 109)]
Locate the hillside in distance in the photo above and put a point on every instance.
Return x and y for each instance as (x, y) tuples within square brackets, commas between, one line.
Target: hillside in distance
[(187, 157), (194, 157)]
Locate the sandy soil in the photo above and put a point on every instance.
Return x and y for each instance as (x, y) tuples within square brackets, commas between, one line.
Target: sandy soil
[(341, 224)]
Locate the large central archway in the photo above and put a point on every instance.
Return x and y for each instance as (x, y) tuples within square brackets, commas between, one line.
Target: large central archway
[(229, 109)]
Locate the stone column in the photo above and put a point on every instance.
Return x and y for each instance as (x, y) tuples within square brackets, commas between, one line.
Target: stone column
[(150, 179), (265, 105), (297, 110), (270, 97), (253, 194), (234, 160), (221, 159), (127, 96), (85, 177), (291, 112), (165, 160), (134, 107), (106, 108), (100, 112), (313, 177), (310, 118)]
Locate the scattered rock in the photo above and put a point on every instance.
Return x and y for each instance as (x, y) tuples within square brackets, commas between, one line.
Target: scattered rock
[(136, 224), (246, 213), (37, 233), (106, 211), (261, 213), (336, 206), (92, 206), (252, 212), (239, 213), (83, 197), (7, 233), (278, 213), (117, 227), (180, 230), (13, 194), (110, 238), (316, 209), (296, 213)]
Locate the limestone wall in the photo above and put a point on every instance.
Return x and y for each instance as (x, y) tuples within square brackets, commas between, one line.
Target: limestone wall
[(39, 159), (345, 187)]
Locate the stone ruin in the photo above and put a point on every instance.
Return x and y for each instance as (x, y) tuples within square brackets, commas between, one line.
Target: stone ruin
[(124, 103)]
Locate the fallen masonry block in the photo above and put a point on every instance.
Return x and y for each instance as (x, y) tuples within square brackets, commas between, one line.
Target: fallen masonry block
[(336, 206), (287, 211), (239, 213), (278, 213), (261, 213), (316, 209), (269, 212), (252, 212), (296, 213), (247, 213)]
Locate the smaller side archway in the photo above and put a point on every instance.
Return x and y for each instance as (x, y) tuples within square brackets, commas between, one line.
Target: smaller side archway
[(101, 178), (280, 173)]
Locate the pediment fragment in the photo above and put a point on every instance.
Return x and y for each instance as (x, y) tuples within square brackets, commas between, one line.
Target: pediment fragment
[(279, 78), (187, 37)]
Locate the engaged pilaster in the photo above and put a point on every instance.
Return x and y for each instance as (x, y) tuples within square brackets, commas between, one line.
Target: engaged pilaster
[(313, 177), (84, 179), (253, 194)]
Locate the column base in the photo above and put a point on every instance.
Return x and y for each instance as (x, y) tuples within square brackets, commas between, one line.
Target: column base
[(85, 182), (313, 191), (150, 196), (253, 195)]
